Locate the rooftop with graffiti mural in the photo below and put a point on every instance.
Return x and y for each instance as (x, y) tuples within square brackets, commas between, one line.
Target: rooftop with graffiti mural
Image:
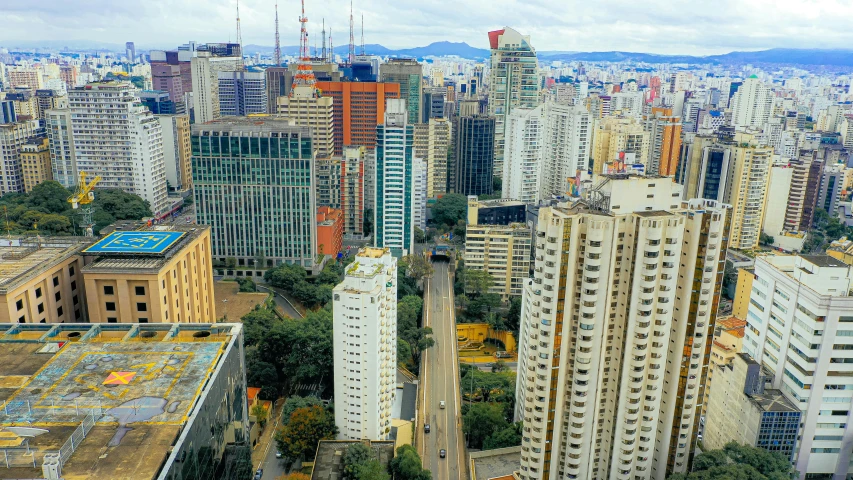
[(111, 401)]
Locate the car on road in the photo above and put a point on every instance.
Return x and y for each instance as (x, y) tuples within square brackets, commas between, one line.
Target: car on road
[(259, 474), (441, 404), (426, 428), (502, 354), (278, 454), (442, 453)]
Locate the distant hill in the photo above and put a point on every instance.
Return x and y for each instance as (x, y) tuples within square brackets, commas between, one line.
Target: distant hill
[(437, 49), (830, 57)]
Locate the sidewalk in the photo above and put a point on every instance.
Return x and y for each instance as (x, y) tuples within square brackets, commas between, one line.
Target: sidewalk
[(267, 436)]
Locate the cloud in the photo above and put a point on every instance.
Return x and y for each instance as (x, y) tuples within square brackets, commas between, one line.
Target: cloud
[(658, 26)]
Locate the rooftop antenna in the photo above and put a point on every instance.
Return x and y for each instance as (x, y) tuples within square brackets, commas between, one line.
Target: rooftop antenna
[(362, 34), (331, 47), (277, 42), (351, 53), (239, 39), (325, 58), (304, 74)]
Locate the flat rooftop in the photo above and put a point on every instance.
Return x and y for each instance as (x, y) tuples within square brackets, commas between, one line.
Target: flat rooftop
[(773, 400), (20, 262), (135, 385), (824, 261), (142, 249), (490, 464), (329, 464)]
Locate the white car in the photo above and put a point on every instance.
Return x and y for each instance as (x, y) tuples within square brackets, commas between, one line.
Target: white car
[(441, 404)]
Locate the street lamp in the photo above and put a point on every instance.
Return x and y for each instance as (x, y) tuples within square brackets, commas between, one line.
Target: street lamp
[(225, 315)]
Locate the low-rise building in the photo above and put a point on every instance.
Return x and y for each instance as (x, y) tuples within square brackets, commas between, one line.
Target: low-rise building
[(122, 401), (329, 460), (41, 282), (154, 274), (743, 410), (330, 231)]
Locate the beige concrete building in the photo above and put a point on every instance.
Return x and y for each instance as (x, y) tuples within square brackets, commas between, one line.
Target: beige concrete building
[(12, 137), (305, 109), (504, 252), (740, 305), (615, 332), (728, 341), (177, 151), (154, 275), (430, 143), (41, 284), (615, 135), (35, 162), (751, 164)]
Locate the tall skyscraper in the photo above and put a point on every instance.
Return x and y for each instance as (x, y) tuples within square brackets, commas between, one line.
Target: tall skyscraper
[(513, 82), (799, 331), (616, 334), (409, 74), (365, 341), (804, 192), (665, 142), (358, 108), (114, 136), (328, 171), (242, 93), (474, 155), (353, 190), (394, 210), (254, 184), (130, 52), (61, 139), (419, 193), (522, 154), (431, 143), (751, 162), (752, 104)]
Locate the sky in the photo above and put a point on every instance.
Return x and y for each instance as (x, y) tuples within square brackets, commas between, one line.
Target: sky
[(697, 27)]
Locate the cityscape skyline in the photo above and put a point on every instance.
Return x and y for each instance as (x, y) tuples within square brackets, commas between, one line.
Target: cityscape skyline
[(727, 27)]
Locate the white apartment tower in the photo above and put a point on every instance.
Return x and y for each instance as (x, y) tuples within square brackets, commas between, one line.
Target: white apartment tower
[(800, 328), (522, 154), (63, 162), (620, 309), (116, 137), (365, 340), (205, 83), (752, 104)]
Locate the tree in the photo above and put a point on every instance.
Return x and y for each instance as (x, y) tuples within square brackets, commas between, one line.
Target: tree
[(477, 282), (420, 236), (739, 462), (485, 386), (513, 316), (295, 476), (419, 341), (354, 457), (285, 276), (450, 209), (49, 197), (367, 223), (231, 262), (404, 354), (257, 323), (261, 414), (507, 437), (417, 267), (307, 426), (296, 402), (262, 374), (765, 239), (499, 366), (247, 285), (406, 465), (481, 421)]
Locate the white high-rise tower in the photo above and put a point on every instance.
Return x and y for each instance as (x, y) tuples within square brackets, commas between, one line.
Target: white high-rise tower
[(365, 340)]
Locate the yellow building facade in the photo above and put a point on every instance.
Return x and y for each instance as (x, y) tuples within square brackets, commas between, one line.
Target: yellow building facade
[(169, 286), (35, 162)]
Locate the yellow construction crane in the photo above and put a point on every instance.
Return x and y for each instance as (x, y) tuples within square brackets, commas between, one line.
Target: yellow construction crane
[(82, 198)]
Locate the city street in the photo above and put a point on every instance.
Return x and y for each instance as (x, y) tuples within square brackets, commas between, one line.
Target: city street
[(440, 382)]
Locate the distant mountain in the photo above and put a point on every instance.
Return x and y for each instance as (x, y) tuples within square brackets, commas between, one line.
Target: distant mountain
[(437, 49), (830, 57)]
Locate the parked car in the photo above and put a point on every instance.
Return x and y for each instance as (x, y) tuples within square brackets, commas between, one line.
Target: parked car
[(278, 454), (259, 474), (426, 428), (442, 453)]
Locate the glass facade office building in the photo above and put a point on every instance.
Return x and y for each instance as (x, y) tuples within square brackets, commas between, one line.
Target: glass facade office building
[(254, 184)]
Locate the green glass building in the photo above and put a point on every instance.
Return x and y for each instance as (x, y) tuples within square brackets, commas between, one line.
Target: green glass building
[(409, 74), (254, 184)]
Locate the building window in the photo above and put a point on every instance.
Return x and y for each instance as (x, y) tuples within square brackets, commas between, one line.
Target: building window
[(111, 306), (71, 271), (143, 320), (108, 290), (38, 292), (59, 311), (57, 296), (20, 304), (41, 308), (74, 285), (22, 320), (74, 298), (112, 320), (142, 306), (55, 281), (140, 290)]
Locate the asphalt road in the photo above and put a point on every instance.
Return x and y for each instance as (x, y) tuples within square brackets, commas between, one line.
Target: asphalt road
[(280, 301), (272, 466), (441, 382)]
